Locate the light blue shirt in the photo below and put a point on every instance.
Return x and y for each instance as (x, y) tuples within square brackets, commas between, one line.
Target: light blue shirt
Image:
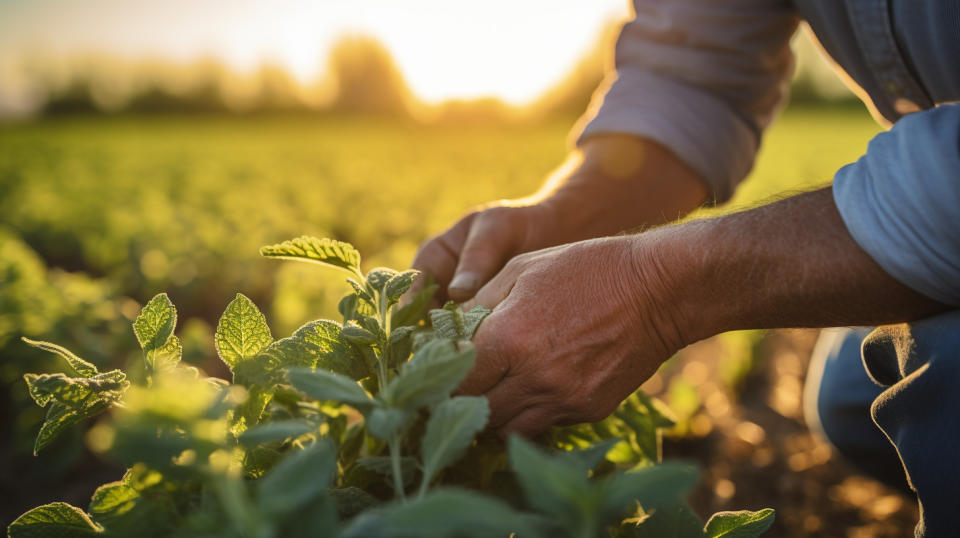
[(705, 78)]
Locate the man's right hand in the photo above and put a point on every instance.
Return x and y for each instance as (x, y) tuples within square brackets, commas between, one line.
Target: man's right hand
[(614, 183)]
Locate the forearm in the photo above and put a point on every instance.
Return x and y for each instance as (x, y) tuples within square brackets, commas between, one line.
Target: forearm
[(787, 264), (617, 183)]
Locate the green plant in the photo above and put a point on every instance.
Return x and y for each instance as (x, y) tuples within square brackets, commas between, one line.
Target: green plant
[(348, 428)]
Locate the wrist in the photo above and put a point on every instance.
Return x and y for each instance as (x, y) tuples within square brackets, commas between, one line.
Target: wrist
[(618, 183), (672, 265)]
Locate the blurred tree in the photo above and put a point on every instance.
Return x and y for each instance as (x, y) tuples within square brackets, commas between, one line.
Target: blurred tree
[(367, 79)]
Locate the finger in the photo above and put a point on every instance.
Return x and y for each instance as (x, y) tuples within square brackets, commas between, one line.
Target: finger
[(531, 422), (439, 256), (508, 398), (497, 289), (436, 264), (491, 364), (488, 246)]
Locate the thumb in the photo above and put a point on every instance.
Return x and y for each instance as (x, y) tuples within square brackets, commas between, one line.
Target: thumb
[(487, 247)]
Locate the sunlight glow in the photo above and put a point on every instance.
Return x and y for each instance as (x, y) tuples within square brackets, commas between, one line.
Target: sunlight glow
[(503, 48)]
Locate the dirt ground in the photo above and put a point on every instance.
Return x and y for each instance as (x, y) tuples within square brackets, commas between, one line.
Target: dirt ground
[(757, 452)]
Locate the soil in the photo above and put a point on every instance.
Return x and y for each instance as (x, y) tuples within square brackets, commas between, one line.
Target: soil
[(756, 450)]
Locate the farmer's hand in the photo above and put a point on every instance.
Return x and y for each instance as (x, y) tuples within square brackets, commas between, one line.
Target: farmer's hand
[(574, 330), (615, 183)]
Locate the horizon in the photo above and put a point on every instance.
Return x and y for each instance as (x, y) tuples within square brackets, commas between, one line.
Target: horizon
[(443, 52)]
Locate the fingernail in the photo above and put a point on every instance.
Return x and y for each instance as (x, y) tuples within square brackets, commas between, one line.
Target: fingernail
[(464, 282)]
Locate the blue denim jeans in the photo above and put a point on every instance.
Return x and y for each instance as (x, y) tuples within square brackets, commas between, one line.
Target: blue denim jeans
[(888, 401)]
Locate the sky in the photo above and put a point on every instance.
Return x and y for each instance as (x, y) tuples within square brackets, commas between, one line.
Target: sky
[(512, 49)]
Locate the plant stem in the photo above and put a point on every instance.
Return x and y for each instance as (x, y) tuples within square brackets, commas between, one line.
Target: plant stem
[(397, 472), (423, 487)]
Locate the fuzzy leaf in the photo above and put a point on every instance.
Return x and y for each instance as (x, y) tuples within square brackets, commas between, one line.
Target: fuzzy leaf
[(155, 323), (328, 386), (550, 484), (383, 423), (72, 399), (364, 295), (400, 333), (166, 357), (242, 331), (298, 478), (57, 519), (742, 524), (275, 431), (316, 344), (124, 511), (452, 322), (431, 375), (412, 312), (323, 251), (593, 455), (675, 520), (399, 284), (653, 487), (379, 276), (81, 367), (452, 426), (351, 501), (383, 465), (441, 513), (358, 335)]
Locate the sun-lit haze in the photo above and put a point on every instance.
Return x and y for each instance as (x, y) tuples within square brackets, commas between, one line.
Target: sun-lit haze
[(502, 48)]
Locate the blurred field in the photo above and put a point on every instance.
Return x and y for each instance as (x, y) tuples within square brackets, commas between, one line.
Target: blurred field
[(98, 214)]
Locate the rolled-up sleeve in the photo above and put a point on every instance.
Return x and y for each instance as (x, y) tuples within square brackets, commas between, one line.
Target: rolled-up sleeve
[(901, 201), (701, 77)]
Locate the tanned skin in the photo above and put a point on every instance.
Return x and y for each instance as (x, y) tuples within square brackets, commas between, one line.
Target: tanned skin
[(577, 327)]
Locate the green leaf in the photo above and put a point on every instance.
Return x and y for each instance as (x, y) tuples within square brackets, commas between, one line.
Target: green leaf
[(412, 312), (315, 345), (450, 431), (76, 391), (379, 276), (53, 520), (398, 334), (593, 455), (742, 524), (351, 307), (298, 478), (452, 322), (72, 399), (383, 465), (382, 423), (551, 484), (431, 375), (653, 487), (351, 501), (166, 357), (328, 386), (272, 432), (323, 251), (364, 296), (155, 323), (81, 367), (242, 331), (444, 513), (675, 520), (124, 511), (357, 335), (399, 284)]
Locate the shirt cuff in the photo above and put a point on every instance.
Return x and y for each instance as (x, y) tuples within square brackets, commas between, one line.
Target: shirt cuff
[(901, 202), (701, 130)]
